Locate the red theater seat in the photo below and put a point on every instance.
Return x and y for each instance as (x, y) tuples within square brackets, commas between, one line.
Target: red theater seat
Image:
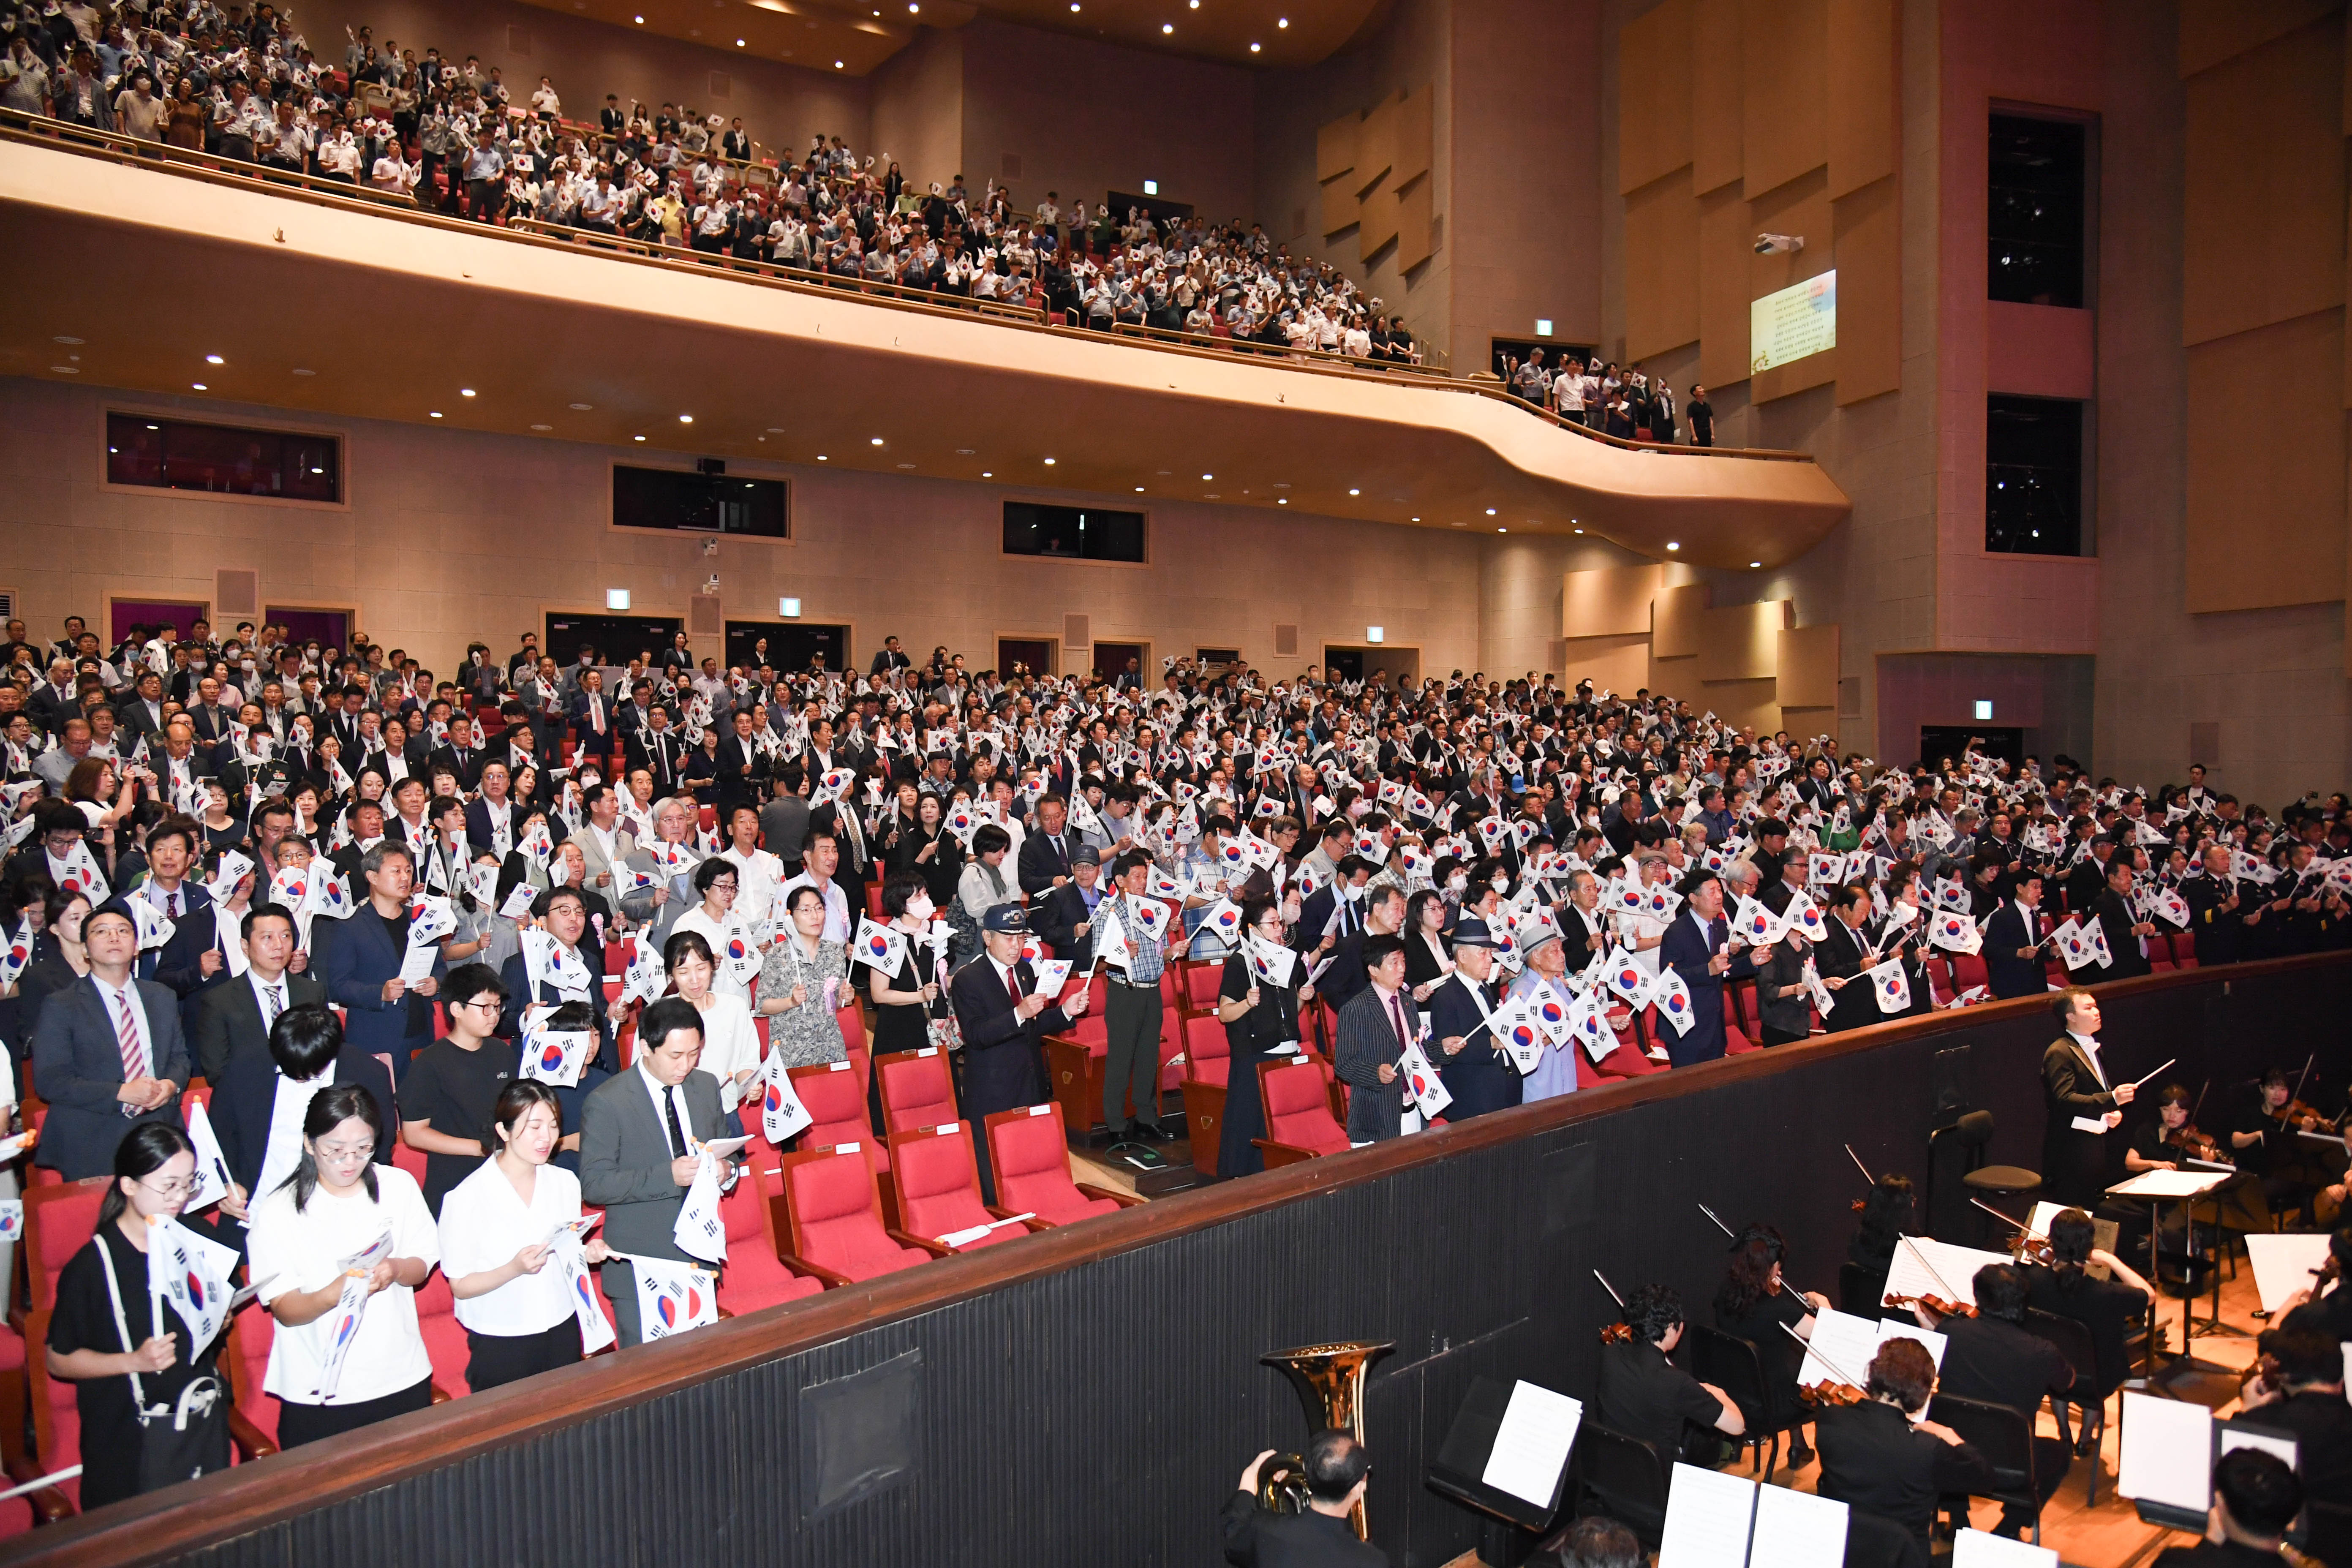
[(56, 1423), (1208, 1061), (917, 1089), (939, 1191), (755, 1276), (1029, 1151), (445, 1345), (836, 1102), (834, 1216), (1299, 1120), (59, 1220)]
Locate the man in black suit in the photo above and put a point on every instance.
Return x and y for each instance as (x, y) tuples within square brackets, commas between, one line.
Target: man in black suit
[(1993, 1357), (1841, 957), (2088, 879), (1065, 915), (1046, 854), (1003, 1022), (2256, 1496), (2074, 1085), (657, 749), (736, 763), (232, 1019), (2113, 910), (2012, 945), (305, 1046), (2303, 1399), (108, 1052), (461, 757), (1336, 1471), (493, 814)]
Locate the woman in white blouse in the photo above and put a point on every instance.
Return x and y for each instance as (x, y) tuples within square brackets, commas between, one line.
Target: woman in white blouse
[(718, 880), (307, 1239), (496, 1226), (730, 1045)]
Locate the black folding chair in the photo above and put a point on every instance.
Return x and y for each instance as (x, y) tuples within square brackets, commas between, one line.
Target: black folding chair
[(1874, 1542), (2072, 1339), (1623, 1477), (1859, 1289), (2006, 1440), (1733, 1365)]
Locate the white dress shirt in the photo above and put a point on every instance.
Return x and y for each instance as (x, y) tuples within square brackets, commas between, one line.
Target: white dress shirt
[(668, 1094), (303, 1250), (484, 1223), (113, 998), (731, 1042)]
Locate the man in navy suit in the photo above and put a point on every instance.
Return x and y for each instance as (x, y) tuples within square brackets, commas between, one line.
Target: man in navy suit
[(306, 1044), (1695, 947), (562, 913), (2012, 951), (108, 1052), (361, 959), (1004, 1021), (193, 955)]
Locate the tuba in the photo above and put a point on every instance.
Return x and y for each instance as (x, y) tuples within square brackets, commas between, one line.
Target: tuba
[(1330, 1384)]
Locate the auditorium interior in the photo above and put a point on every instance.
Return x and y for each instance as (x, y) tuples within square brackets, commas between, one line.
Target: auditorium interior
[(1623, 446)]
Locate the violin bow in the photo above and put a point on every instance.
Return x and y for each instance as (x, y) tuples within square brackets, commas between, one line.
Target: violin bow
[(2284, 1110), (1949, 1294), (1836, 1370), (1860, 1166), (1610, 1288), (2025, 1231), (1726, 1230)]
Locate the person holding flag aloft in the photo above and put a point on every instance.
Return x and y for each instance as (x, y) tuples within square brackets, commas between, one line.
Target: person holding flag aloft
[(1470, 1060), (1259, 1001)]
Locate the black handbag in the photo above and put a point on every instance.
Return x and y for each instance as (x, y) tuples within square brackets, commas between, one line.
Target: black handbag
[(187, 1437)]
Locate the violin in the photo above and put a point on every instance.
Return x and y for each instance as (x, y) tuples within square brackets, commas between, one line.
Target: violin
[(2304, 1116), (1829, 1395), (1617, 1333), (1935, 1304), (2029, 1248), (2195, 1145)]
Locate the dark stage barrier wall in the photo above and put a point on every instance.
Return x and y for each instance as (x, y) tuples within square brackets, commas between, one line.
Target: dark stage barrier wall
[(1087, 1397)]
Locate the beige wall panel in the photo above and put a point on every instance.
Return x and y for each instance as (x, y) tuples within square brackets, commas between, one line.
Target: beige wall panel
[(1750, 704), (1742, 642), (2213, 31), (1619, 664), (1863, 98), (1675, 630), (1413, 130), (1340, 209), (1375, 144), (1724, 236), (1800, 207), (1613, 601), (1716, 74), (2264, 208), (1414, 220), (1335, 147), (1377, 222), (1784, 88), (1661, 266), (1805, 723), (1869, 353), (1807, 671), (2266, 517), (1654, 95)]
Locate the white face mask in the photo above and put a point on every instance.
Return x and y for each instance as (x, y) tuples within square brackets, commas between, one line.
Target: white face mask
[(1360, 808), (1456, 882), (920, 906), (1351, 892)]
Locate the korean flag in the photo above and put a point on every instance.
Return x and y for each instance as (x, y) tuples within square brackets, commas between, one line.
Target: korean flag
[(880, 947), (1672, 997), (1891, 986)]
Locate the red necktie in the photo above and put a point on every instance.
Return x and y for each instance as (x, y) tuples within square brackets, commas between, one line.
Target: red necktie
[(1013, 985), (1396, 1012)]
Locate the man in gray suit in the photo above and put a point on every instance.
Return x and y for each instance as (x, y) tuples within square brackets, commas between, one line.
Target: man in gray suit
[(634, 1139), (784, 821), (108, 1052), (657, 907), (1374, 1027), (603, 842)]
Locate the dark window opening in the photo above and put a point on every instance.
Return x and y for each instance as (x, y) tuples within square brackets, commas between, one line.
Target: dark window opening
[(2034, 181), (793, 647), (2034, 476), (699, 503), (616, 638), (222, 460), (1072, 533)]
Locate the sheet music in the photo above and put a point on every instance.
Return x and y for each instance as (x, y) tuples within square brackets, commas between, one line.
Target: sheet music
[(1840, 1350), (2167, 1452), (2169, 1184), (2095, 1125), (1926, 1267), (1796, 1530), (1896, 1329), (2234, 1437), (1531, 1447), (1975, 1549), (2282, 1266), (1707, 1518)]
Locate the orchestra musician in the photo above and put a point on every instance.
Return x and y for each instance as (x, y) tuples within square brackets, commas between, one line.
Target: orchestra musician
[(1889, 1213), (1644, 1396), (2300, 1391), (2255, 1497), (2261, 1136), (2076, 1088), (1754, 1304), (1994, 1358), (2172, 1139), (2064, 1288), (1876, 1459)]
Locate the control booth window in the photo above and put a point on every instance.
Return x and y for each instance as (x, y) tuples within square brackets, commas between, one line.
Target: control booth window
[(1072, 533), (223, 459), (709, 501)]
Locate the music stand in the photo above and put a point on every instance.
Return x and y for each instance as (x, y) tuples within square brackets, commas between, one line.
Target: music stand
[(1509, 1526), (2157, 1188)]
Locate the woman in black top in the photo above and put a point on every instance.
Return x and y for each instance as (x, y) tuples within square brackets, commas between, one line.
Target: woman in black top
[(1426, 961), (928, 850), (1755, 1306), (1258, 1015), (154, 1170), (1888, 1214), (904, 1003), (2105, 1306), (58, 959)]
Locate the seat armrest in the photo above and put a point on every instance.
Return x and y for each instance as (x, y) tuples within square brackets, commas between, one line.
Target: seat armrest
[(251, 1440), (826, 1276), (1278, 1153), (922, 1243), (1124, 1200)]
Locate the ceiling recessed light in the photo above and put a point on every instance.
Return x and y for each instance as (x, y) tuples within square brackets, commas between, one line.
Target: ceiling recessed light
[(300, 371), (776, 429), (984, 473), (1673, 544), (633, 437), (436, 414), (1282, 501), (1490, 511), (1208, 476), (837, 65), (820, 457), (905, 465), (641, 21), (464, 392), (1501, 531), (965, 451), (76, 342), (1417, 520), (1285, 22), (67, 369), (1138, 490), (1254, 49), (738, 43), (214, 359), (1580, 531), (1167, 26), (582, 408), (1355, 492), (878, 441), (1049, 462), (542, 426), (686, 418), (1755, 564)]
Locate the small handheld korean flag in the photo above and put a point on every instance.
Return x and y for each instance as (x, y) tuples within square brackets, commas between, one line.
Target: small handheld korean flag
[(1805, 918), (1671, 995), (673, 1297), (537, 843), (1549, 1012), (1590, 1027), (291, 886), (228, 875), (1516, 1031), (1426, 1089), (554, 1055), (1631, 982), (1110, 940), (1053, 973), (569, 1253), (1756, 925), (1954, 932), (646, 978), (1822, 869), (1891, 986), (2170, 905), (18, 954), (781, 1114), (483, 882), (737, 959), (880, 947), (1223, 920), (700, 1230), (1271, 963), (1152, 916), (211, 1175), (2074, 946), (2095, 933), (191, 1272), (82, 875)]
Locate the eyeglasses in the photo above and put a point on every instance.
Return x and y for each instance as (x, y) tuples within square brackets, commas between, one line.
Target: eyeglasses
[(179, 1189), (339, 1152), (492, 1002)]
